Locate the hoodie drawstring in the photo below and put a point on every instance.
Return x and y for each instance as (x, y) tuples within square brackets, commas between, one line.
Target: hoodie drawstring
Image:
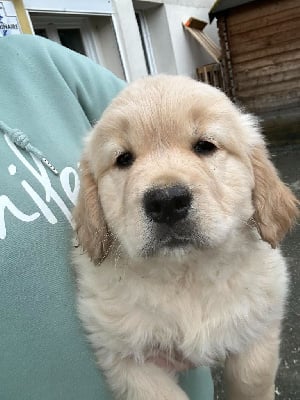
[(21, 140)]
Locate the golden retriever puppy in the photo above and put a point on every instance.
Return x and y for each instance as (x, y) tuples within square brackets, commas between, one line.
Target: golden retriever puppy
[(178, 220)]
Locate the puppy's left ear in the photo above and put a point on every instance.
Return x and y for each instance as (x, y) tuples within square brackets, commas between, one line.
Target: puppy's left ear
[(276, 207)]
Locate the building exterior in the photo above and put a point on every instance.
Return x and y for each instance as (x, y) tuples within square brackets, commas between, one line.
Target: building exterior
[(260, 43), (132, 38)]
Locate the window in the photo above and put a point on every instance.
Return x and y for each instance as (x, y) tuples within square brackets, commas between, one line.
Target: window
[(90, 35), (72, 39), (70, 31)]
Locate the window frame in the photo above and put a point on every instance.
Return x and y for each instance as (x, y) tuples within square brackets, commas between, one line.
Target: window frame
[(146, 42)]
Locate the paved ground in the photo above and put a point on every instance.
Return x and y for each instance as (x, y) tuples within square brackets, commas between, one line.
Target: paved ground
[(287, 160)]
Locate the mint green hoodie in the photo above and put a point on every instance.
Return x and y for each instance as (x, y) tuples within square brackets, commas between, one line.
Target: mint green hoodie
[(50, 97)]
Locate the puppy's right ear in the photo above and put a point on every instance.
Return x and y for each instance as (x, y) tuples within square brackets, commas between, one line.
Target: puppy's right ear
[(90, 225)]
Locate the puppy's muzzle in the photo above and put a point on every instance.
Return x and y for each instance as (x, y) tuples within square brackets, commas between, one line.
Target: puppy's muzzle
[(167, 205)]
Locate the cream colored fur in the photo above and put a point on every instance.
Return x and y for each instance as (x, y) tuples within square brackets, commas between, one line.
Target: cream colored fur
[(220, 298)]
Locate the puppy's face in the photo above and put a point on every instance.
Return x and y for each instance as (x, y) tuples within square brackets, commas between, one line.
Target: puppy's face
[(172, 167)]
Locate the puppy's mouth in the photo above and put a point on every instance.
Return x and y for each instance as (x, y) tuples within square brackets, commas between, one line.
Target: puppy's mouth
[(168, 239), (173, 242)]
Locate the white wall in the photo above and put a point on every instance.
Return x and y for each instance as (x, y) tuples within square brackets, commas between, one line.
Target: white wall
[(69, 6), (128, 38), (106, 44), (161, 40), (188, 53), (175, 50)]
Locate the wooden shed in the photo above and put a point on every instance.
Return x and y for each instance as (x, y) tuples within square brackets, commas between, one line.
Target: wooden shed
[(260, 42)]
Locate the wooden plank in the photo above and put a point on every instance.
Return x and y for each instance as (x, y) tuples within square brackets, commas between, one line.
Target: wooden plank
[(288, 111), (266, 71), (275, 87), (262, 104), (209, 45), (265, 42), (267, 52), (271, 18), (259, 109), (292, 108), (267, 61), (261, 81), (195, 23), (263, 8), (260, 32), (265, 103)]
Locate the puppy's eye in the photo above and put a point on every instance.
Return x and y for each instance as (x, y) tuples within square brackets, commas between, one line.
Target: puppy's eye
[(204, 147), (125, 160)]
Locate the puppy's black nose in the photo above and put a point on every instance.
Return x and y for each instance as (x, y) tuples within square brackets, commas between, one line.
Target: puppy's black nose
[(167, 204)]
